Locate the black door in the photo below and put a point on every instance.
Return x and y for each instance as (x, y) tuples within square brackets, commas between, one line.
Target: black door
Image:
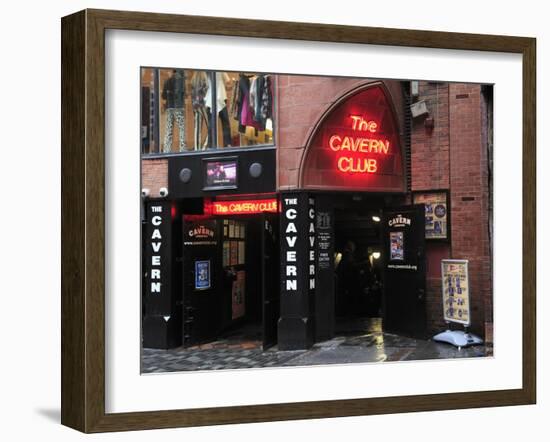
[(201, 306), (403, 253), (270, 278)]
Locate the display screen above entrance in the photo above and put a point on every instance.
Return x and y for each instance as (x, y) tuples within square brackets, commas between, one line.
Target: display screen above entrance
[(356, 146)]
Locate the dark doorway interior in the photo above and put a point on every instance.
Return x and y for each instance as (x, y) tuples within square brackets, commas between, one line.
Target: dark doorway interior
[(238, 310), (358, 287), (241, 286)]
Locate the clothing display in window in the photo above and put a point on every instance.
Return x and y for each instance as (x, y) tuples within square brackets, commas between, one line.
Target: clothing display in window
[(173, 94), (221, 104), (183, 101), (253, 104), (244, 113)]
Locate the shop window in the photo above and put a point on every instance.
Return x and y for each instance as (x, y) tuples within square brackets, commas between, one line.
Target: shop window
[(179, 114)]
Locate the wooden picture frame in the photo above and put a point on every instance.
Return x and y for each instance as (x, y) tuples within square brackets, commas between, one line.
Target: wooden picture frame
[(83, 217)]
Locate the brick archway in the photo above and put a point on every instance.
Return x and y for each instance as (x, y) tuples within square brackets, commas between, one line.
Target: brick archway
[(355, 145)]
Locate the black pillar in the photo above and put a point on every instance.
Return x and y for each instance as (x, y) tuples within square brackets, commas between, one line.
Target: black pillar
[(296, 327), (161, 326)]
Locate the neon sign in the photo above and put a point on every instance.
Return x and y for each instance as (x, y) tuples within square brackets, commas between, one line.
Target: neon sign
[(244, 207), (359, 144)]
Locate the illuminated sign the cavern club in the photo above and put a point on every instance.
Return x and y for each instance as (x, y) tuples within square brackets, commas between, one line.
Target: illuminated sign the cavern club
[(365, 142), (357, 144), (244, 207)]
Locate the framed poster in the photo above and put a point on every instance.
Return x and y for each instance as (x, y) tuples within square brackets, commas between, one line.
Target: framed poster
[(438, 218), (102, 51)]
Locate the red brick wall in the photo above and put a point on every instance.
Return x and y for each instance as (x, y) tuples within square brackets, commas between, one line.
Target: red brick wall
[(469, 190), (454, 156), (154, 175), (430, 149), (301, 102), (430, 153)]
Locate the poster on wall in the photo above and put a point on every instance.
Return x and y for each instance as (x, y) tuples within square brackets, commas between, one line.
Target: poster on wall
[(202, 275), (241, 252), (225, 254), (436, 207), (237, 295), (456, 291), (234, 253), (396, 246), (225, 228)]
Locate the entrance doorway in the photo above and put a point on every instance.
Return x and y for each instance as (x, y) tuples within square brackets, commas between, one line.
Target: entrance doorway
[(358, 287), (403, 242), (379, 263), (238, 306)]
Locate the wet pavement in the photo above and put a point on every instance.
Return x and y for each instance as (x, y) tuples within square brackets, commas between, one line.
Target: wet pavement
[(356, 341)]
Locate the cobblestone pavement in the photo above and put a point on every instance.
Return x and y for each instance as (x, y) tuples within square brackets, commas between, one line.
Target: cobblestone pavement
[(356, 344)]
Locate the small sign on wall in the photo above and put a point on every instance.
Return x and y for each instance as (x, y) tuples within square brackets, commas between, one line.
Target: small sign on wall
[(202, 275)]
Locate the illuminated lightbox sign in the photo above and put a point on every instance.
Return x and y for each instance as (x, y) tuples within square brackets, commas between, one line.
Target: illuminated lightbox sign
[(357, 146), (244, 207)]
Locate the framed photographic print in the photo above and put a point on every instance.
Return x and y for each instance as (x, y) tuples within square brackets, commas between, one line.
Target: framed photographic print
[(255, 227)]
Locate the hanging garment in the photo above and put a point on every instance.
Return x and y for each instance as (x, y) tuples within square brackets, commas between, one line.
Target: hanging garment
[(234, 105), (221, 105), (200, 119), (173, 90), (226, 127), (221, 92), (178, 115), (243, 89), (253, 95), (245, 113), (173, 93), (199, 91), (266, 103), (260, 83)]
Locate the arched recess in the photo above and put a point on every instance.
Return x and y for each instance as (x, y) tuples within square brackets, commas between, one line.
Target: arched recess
[(356, 145)]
